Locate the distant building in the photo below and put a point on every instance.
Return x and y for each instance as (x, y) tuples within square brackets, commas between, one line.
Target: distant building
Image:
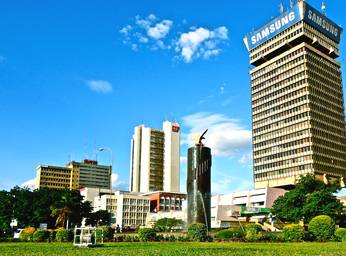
[(91, 174), (226, 209), (56, 177), (75, 175), (297, 98), (165, 201), (155, 159), (130, 209)]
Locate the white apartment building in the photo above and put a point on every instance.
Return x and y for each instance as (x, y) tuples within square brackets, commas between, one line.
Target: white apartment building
[(129, 209), (155, 159)]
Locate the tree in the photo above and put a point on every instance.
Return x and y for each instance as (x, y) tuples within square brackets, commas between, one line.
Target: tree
[(166, 224), (309, 199), (6, 212), (30, 208), (100, 218)]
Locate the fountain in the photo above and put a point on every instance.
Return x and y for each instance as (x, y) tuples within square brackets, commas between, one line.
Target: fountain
[(198, 183)]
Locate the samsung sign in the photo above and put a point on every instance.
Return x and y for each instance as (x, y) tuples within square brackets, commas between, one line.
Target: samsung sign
[(288, 19), (275, 27), (322, 23)]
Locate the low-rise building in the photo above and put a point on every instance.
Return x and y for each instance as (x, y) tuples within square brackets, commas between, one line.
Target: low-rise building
[(161, 201), (129, 209), (226, 209)]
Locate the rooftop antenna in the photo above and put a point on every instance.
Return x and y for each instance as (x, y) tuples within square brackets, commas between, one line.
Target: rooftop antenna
[(281, 7), (323, 8)]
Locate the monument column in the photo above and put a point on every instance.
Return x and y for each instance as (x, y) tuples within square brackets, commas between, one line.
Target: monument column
[(198, 183)]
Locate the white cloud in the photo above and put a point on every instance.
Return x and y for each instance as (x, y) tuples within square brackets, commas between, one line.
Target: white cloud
[(246, 159), (229, 184), (100, 86), (126, 30), (226, 137), (117, 184), (149, 31), (183, 160), (201, 42), (30, 184), (160, 30)]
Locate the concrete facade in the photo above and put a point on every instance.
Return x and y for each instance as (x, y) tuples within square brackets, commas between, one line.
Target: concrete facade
[(155, 159), (297, 106), (226, 208), (130, 209), (75, 175)]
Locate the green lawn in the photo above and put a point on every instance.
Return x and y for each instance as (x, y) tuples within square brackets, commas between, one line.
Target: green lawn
[(181, 249)]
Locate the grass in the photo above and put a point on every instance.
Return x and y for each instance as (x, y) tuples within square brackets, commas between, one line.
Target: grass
[(171, 249)]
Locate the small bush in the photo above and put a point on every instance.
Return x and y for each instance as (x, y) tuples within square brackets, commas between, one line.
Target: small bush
[(183, 238), (52, 234), (172, 238), (229, 234), (108, 233), (271, 237), (322, 227), (197, 232), (62, 235), (27, 234), (146, 234), (119, 238), (253, 232), (40, 235), (340, 234), (293, 233)]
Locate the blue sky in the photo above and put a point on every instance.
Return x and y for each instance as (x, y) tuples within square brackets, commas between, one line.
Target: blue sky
[(78, 75)]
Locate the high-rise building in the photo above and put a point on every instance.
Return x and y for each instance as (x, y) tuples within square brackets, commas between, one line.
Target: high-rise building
[(155, 159), (75, 175), (297, 98)]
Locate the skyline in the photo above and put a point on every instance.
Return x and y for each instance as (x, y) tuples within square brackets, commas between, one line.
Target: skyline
[(97, 102)]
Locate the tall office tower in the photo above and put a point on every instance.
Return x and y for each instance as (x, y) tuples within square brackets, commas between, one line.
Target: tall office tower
[(155, 159), (171, 165), (297, 99)]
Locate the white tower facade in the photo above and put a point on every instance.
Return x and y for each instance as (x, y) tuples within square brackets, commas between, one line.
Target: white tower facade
[(171, 171), (155, 159)]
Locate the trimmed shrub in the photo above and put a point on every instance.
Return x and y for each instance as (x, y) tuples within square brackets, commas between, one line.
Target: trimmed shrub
[(62, 235), (340, 234), (272, 237), (229, 234), (322, 228), (119, 238), (27, 234), (183, 238), (253, 232), (197, 232), (254, 227), (293, 233), (40, 235), (146, 234)]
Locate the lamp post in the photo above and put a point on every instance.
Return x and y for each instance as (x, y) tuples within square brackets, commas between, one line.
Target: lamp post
[(110, 180)]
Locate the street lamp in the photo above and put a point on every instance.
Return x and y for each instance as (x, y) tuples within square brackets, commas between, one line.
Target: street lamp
[(110, 179)]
